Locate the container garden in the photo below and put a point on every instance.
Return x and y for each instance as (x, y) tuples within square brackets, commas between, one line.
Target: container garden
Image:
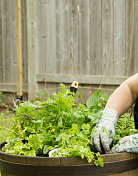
[(58, 122), (114, 164)]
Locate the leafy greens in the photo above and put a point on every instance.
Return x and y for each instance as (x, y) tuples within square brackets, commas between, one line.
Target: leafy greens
[(58, 122)]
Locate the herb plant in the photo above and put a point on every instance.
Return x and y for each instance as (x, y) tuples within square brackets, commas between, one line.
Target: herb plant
[(58, 122)]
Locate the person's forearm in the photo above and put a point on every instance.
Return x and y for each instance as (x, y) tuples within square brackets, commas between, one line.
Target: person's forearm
[(124, 96), (120, 100)]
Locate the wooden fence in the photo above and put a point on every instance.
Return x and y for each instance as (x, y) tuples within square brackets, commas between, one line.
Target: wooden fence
[(94, 42)]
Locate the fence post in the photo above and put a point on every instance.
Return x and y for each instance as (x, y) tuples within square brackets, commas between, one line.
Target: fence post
[(19, 48), (31, 6)]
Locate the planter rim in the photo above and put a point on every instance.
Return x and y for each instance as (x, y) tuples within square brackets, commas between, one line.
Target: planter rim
[(65, 166), (107, 158)]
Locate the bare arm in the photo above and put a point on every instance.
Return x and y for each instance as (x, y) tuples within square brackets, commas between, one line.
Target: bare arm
[(124, 96)]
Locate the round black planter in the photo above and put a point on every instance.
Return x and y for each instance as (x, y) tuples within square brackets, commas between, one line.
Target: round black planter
[(17, 165)]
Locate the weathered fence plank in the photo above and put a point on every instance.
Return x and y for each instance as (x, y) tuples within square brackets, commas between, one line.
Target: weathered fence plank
[(95, 37), (119, 37), (24, 43), (12, 87), (9, 38), (84, 37), (52, 37), (42, 34), (61, 35), (82, 79), (107, 37), (13, 74), (4, 28), (31, 46), (130, 27), (72, 11)]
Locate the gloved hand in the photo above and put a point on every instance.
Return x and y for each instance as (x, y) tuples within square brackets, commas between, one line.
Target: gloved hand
[(105, 131), (126, 144)]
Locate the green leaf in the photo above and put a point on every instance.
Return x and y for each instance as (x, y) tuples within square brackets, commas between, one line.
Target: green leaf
[(99, 162), (93, 99), (45, 149), (86, 128)]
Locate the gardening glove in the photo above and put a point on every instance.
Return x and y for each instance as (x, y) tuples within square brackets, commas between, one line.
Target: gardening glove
[(126, 144), (104, 131)]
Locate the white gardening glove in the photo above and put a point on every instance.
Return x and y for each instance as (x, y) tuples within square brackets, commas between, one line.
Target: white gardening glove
[(104, 131), (126, 144)]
